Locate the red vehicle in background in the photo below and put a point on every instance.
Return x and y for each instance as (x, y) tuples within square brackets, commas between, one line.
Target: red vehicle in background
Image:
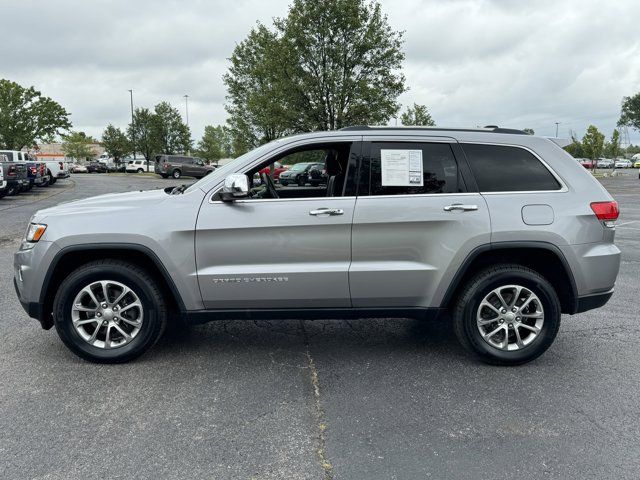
[(278, 168), (587, 163)]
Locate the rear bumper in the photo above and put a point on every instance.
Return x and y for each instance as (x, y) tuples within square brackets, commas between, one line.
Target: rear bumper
[(590, 302)]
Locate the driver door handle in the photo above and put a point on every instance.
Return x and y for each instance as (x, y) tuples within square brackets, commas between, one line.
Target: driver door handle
[(326, 211)]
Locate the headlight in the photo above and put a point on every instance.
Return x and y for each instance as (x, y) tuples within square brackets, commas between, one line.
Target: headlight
[(35, 232)]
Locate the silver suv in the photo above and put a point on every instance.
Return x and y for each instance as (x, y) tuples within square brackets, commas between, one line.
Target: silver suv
[(503, 230)]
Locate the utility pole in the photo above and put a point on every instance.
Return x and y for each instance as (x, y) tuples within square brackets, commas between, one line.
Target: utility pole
[(186, 108), (557, 123)]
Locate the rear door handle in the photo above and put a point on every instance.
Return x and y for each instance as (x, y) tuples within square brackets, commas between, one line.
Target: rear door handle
[(326, 211), (460, 207)]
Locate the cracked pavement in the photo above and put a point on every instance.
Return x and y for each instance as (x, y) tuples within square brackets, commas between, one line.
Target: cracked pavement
[(363, 399)]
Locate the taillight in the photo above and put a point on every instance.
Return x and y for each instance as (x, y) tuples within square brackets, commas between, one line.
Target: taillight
[(12, 169), (165, 166), (34, 170), (606, 211)]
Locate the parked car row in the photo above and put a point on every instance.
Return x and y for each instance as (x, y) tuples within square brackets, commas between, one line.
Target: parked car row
[(607, 163), (20, 172)]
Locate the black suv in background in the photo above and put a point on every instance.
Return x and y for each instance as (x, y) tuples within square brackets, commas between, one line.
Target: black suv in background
[(15, 174), (178, 165)]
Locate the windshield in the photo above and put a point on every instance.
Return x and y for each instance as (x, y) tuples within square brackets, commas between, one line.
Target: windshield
[(221, 172)]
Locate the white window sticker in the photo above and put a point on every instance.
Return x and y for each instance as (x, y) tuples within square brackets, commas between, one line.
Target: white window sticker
[(401, 168)]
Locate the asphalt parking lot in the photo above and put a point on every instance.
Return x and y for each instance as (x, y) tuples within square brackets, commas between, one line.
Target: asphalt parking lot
[(363, 399)]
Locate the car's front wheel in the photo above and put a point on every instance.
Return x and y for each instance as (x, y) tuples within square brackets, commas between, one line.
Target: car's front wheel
[(507, 315), (176, 174), (109, 311)]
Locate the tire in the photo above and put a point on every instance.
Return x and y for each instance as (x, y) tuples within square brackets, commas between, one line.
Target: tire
[(284, 184), (13, 190), (153, 311), (164, 176), (140, 170), (3, 193), (176, 174), (481, 287), (300, 181)]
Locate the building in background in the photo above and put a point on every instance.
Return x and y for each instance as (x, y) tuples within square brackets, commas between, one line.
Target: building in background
[(53, 151)]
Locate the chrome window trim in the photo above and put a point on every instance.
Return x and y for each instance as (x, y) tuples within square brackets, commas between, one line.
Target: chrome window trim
[(262, 200), (563, 186)]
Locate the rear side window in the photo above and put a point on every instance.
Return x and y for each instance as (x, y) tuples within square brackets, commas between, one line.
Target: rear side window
[(499, 168), (413, 169)]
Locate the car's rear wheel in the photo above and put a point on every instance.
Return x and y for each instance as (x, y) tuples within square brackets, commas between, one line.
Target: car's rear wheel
[(140, 170), (176, 174), (109, 311), (13, 190), (507, 315)]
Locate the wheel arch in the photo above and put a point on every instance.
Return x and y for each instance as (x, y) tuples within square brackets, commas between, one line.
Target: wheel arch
[(543, 257), (70, 258)]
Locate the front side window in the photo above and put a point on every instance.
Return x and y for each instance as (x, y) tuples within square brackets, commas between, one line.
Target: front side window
[(403, 168), (318, 170), (501, 168)]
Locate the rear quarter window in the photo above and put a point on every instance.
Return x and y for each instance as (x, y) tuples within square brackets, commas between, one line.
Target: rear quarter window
[(501, 168)]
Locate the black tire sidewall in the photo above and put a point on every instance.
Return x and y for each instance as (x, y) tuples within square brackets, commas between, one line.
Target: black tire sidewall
[(151, 326), (176, 174), (550, 304)]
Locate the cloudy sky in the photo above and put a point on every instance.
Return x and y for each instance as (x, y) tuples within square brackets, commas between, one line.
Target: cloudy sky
[(473, 62)]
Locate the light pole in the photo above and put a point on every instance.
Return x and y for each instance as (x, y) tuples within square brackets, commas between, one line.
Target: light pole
[(133, 127), (186, 107), (557, 123)]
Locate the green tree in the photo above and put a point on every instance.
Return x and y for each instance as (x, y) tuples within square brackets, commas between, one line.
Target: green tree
[(140, 135), (77, 145), (417, 115), (324, 66), (115, 142), (613, 146), (630, 112), (27, 117), (575, 148), (529, 131), (215, 143), (256, 91), (592, 143), (168, 132), (341, 60)]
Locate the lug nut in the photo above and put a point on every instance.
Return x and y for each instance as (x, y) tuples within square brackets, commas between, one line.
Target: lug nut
[(105, 323), (503, 310), (511, 325), (104, 305), (501, 321), (514, 309), (115, 319), (98, 314), (115, 309), (518, 319)]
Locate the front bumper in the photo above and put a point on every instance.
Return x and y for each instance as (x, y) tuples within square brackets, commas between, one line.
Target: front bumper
[(30, 268)]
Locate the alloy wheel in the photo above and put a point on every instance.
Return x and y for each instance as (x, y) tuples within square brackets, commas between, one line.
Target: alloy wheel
[(510, 317), (107, 314)]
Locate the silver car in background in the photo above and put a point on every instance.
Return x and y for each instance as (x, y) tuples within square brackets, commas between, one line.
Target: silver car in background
[(501, 230)]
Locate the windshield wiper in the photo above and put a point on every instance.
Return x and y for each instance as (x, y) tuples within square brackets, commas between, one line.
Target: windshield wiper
[(178, 190)]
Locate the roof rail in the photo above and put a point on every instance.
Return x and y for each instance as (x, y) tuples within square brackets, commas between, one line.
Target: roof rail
[(487, 129)]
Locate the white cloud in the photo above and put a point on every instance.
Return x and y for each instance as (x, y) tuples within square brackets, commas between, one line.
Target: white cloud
[(512, 63)]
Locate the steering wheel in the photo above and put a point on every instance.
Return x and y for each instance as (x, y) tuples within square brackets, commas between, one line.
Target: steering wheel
[(270, 184)]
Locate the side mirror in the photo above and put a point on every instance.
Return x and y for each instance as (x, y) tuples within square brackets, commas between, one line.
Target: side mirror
[(236, 186)]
